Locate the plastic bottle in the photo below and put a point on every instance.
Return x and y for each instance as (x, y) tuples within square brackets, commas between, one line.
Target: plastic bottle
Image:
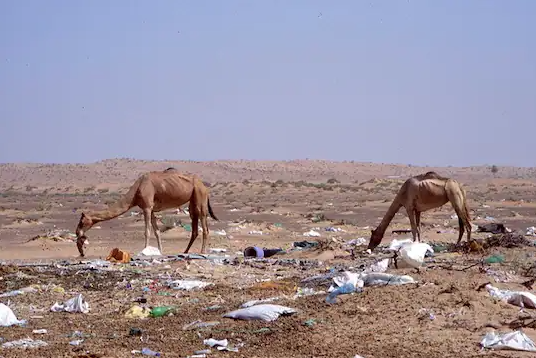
[(162, 311), (346, 288), (148, 352)]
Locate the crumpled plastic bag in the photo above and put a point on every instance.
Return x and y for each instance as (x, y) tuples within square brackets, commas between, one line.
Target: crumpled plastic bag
[(516, 298), (22, 291), (7, 317), (515, 340), (347, 277), (265, 312), (75, 304), (188, 284), (150, 251), (138, 312), (25, 343)]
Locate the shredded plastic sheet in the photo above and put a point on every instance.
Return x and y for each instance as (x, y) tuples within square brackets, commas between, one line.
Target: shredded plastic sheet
[(188, 284), (265, 312), (515, 340), (73, 305)]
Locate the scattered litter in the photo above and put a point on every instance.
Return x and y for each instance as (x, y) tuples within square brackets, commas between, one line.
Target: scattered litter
[(494, 259), (266, 312), (211, 342), (357, 242), (305, 244), (515, 340), (531, 231), (381, 279), (76, 342), (256, 302), (395, 245), (217, 250), (311, 233), (138, 312), (29, 289), (494, 228), (75, 304), (220, 232), (333, 229), (516, 298), (255, 232), (8, 318), (162, 311), (508, 240), (188, 284), (254, 251), (150, 251), (413, 254), (25, 343), (199, 324), (39, 331)]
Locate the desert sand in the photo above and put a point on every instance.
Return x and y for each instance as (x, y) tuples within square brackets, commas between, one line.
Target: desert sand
[(268, 204)]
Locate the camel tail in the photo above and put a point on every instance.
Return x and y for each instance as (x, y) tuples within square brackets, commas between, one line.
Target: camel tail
[(210, 211)]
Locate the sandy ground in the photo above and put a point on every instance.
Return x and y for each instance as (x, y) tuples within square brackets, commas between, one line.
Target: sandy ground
[(281, 200)]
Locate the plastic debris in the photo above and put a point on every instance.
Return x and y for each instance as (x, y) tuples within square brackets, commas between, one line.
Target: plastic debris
[(256, 302), (516, 298), (266, 312), (22, 291), (413, 253), (515, 340), (76, 304), (8, 318), (199, 324), (188, 284), (138, 312), (25, 343), (150, 251), (311, 233)]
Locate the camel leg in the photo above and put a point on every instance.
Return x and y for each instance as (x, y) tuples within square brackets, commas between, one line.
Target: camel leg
[(412, 221), (418, 222), (204, 225), (156, 231), (194, 215), (147, 216)]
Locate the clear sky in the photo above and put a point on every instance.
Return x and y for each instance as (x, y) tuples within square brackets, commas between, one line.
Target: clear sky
[(443, 82)]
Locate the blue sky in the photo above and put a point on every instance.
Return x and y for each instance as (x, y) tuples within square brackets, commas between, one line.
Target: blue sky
[(414, 82)]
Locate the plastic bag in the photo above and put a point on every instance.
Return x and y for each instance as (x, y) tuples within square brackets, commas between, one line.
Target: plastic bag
[(188, 284), (150, 251), (516, 340), (75, 304), (516, 298), (413, 253), (266, 312), (380, 278), (7, 317)]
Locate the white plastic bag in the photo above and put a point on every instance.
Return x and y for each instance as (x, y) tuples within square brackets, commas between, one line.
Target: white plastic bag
[(516, 298), (395, 245), (150, 251), (188, 284), (75, 304), (7, 317), (25, 343), (413, 254), (515, 340), (266, 312)]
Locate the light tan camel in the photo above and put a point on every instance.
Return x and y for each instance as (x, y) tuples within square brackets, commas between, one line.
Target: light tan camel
[(422, 193), (154, 192)]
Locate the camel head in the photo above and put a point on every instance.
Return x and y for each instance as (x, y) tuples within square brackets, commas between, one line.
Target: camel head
[(375, 239), (84, 225)]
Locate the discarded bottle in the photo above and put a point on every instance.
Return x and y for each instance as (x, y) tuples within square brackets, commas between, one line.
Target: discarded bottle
[(162, 311), (346, 288), (148, 352)]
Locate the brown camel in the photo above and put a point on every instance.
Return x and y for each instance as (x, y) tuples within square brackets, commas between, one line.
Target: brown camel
[(154, 192), (421, 193)]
